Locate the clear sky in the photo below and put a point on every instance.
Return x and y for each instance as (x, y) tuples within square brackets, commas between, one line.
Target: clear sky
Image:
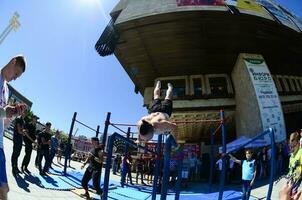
[(65, 74)]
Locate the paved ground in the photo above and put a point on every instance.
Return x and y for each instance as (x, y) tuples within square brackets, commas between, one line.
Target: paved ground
[(27, 188)]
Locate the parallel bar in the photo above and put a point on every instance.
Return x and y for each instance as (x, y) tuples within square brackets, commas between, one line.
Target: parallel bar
[(97, 131), (178, 182), (273, 164), (122, 124), (119, 129), (108, 165), (166, 174), (157, 166), (128, 137), (67, 152), (86, 126), (211, 160), (222, 175), (107, 122)]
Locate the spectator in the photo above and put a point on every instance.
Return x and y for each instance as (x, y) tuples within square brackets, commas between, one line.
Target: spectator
[(29, 139), (126, 169), (54, 145), (193, 164), (185, 171), (140, 169), (44, 152), (248, 173)]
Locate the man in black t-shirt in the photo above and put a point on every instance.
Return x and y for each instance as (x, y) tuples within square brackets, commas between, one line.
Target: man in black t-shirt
[(44, 149), (95, 160), (17, 141), (29, 139)]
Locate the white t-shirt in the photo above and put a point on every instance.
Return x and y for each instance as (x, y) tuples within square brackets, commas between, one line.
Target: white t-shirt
[(3, 103)]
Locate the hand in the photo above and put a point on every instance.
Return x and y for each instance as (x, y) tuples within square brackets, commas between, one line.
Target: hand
[(285, 191), (82, 167), (252, 183)]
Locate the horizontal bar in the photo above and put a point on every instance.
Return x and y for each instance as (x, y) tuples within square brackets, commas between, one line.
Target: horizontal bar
[(86, 126), (130, 142)]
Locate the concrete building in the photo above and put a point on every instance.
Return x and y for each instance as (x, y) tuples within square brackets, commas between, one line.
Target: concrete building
[(241, 56)]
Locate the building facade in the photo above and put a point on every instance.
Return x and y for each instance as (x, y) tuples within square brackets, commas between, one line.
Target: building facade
[(241, 56)]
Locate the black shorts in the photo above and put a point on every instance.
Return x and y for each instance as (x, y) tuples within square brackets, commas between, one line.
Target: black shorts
[(164, 106)]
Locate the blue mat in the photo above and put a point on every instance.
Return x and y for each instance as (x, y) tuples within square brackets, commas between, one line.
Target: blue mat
[(54, 183), (74, 178), (125, 193)]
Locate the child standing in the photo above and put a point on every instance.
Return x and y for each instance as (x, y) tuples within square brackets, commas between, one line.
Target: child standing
[(248, 173)]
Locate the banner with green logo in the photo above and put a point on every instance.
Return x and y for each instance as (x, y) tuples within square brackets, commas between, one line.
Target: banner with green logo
[(267, 97)]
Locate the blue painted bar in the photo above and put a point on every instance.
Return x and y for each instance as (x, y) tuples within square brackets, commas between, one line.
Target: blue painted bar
[(211, 160), (68, 150), (127, 144), (107, 123), (169, 142), (178, 182), (157, 167), (108, 165), (222, 175), (97, 131), (273, 164)]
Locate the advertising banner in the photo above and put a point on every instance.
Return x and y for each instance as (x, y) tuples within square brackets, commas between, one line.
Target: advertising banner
[(200, 2), (248, 5), (278, 13), (267, 97)]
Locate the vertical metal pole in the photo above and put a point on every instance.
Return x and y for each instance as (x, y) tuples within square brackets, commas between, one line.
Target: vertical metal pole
[(108, 165), (97, 131), (157, 167), (68, 149), (211, 160), (178, 182), (222, 176), (165, 183), (107, 123), (128, 137), (273, 163)]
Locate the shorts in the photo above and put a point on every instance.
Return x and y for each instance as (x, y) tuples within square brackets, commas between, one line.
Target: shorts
[(163, 106), (3, 176)]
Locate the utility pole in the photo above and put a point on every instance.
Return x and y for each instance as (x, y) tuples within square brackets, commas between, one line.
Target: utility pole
[(13, 25)]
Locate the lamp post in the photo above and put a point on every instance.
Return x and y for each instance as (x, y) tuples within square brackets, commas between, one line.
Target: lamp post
[(14, 24)]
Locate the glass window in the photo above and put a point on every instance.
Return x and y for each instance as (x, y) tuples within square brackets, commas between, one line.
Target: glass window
[(218, 86), (179, 87), (296, 84), (197, 87), (282, 84), (289, 85)]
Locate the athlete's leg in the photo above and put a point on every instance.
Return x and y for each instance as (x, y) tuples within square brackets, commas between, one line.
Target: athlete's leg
[(157, 90), (169, 93)]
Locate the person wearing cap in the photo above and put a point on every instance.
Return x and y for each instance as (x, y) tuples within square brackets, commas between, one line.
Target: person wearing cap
[(29, 139), (44, 138), (11, 71), (17, 142), (95, 160), (158, 119)]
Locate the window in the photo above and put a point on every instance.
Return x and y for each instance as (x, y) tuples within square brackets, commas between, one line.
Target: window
[(297, 85), (288, 84), (179, 87), (282, 84), (279, 89), (197, 87), (218, 86)]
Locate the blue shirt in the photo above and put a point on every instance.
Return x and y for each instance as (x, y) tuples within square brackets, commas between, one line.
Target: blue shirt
[(248, 169), (54, 143)]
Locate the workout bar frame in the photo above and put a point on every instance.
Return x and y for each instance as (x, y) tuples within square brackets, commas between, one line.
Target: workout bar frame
[(269, 131)]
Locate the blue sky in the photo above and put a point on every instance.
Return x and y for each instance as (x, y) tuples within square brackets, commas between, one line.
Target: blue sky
[(65, 74)]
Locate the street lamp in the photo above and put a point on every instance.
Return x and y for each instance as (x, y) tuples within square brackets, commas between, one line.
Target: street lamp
[(13, 25)]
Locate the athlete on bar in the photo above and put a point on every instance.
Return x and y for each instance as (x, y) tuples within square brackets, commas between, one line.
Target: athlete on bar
[(158, 119)]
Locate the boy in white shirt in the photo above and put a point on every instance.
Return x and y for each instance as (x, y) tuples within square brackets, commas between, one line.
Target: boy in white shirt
[(11, 71)]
